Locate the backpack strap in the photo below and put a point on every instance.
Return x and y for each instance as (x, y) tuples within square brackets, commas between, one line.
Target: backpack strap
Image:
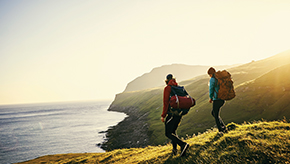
[(174, 94), (172, 90)]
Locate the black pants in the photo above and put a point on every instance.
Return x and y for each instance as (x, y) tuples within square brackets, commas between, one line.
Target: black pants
[(171, 124), (216, 107)]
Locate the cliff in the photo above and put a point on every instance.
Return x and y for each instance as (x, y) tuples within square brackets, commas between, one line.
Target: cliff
[(256, 99)]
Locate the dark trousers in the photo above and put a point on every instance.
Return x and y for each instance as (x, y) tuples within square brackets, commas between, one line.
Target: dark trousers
[(171, 124), (217, 104)]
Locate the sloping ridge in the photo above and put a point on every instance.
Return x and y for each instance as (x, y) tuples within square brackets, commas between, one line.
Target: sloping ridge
[(271, 93), (156, 77), (262, 92)]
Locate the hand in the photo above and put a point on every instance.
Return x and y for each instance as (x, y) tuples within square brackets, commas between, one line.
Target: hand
[(162, 119), (210, 101)]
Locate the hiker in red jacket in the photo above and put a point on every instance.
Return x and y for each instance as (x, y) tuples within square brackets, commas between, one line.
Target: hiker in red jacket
[(171, 121)]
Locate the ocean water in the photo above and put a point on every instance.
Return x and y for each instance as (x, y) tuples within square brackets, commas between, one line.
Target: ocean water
[(33, 130)]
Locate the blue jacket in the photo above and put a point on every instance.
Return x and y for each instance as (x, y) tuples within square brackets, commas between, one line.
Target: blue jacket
[(213, 88)]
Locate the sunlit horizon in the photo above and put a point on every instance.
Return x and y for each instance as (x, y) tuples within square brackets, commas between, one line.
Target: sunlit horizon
[(57, 51)]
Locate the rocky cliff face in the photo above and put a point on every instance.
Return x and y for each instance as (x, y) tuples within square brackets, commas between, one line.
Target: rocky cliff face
[(131, 132), (256, 99)]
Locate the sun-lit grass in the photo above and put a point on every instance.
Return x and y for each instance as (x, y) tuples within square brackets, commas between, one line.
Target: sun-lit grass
[(256, 142), (262, 91)]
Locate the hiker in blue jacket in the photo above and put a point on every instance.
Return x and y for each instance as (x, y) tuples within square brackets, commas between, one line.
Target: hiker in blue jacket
[(217, 103)]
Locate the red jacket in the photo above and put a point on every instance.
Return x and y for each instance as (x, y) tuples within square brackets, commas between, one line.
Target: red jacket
[(166, 96)]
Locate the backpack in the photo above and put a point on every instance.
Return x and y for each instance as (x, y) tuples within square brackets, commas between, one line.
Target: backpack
[(180, 102), (226, 90)]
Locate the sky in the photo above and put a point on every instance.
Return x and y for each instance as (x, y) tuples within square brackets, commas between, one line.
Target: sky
[(69, 50)]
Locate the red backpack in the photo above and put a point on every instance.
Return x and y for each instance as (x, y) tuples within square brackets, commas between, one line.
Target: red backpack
[(180, 102)]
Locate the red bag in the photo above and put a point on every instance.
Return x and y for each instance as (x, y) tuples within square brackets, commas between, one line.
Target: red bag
[(181, 102)]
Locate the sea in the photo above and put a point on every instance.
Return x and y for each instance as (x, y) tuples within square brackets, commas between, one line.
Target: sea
[(33, 130)]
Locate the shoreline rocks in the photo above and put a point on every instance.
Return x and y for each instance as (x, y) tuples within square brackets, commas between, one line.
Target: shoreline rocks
[(132, 132)]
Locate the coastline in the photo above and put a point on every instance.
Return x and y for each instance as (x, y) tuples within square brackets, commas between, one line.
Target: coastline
[(132, 132), (59, 128)]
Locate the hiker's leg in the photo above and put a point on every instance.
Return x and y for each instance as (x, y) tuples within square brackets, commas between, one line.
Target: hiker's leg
[(223, 126), (214, 113), (171, 124), (174, 145), (217, 104), (174, 128), (170, 129)]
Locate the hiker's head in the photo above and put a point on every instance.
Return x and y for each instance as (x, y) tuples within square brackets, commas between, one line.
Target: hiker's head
[(211, 71), (168, 78)]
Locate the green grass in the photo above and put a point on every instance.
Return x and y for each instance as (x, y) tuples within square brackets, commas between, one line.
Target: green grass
[(266, 96), (263, 91), (256, 142)]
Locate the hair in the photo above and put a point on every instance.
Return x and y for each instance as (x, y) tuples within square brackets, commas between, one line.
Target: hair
[(211, 71), (166, 81), (168, 78)]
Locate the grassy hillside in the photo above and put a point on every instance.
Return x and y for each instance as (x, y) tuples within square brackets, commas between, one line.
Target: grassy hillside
[(257, 142), (262, 89), (265, 97)]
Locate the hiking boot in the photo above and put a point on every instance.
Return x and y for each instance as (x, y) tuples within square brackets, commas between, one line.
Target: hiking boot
[(220, 133), (183, 149), (224, 129), (174, 151)]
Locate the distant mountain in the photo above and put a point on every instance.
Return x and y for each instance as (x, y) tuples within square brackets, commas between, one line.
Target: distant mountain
[(156, 77), (262, 92)]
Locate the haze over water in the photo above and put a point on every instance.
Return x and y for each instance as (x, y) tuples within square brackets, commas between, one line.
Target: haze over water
[(33, 130)]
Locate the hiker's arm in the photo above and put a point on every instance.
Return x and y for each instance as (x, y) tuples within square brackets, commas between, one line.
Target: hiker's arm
[(166, 95), (211, 88)]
